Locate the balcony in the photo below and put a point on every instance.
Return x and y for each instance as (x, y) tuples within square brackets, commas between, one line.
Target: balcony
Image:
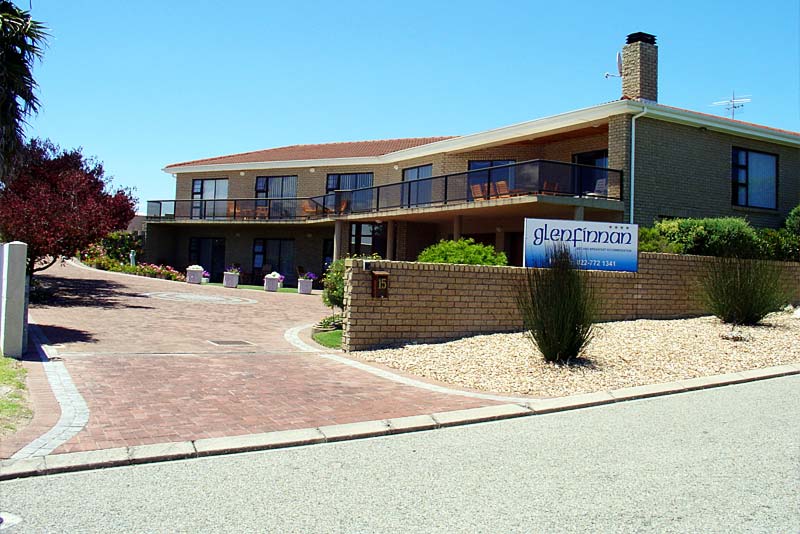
[(536, 177)]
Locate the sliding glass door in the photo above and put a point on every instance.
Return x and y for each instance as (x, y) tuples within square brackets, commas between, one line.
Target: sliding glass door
[(204, 193)]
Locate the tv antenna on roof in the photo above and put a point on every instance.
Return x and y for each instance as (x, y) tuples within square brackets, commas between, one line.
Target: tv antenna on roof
[(733, 103), (619, 69)]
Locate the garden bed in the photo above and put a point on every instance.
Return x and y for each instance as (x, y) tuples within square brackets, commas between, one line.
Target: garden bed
[(622, 354)]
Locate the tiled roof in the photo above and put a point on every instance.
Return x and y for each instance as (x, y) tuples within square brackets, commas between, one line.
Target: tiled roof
[(353, 149)]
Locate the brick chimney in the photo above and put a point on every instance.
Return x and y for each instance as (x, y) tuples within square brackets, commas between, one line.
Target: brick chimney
[(640, 68)]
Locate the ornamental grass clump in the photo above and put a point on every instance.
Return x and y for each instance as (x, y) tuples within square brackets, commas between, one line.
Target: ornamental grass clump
[(743, 292), (558, 308)]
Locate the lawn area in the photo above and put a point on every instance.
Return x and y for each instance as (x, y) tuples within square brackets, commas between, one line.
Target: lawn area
[(13, 408), (258, 288), (332, 339)]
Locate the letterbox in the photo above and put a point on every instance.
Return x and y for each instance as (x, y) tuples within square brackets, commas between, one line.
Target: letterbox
[(380, 284)]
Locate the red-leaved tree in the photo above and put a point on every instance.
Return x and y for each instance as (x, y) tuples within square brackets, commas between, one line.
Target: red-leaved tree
[(59, 202)]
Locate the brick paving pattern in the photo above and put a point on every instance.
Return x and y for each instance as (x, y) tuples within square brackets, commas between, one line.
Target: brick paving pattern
[(149, 375)]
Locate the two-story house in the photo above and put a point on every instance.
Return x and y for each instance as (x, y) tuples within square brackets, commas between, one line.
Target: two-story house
[(631, 160)]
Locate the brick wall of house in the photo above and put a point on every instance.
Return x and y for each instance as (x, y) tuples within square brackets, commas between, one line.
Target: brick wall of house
[(682, 171), (433, 302), (169, 243)]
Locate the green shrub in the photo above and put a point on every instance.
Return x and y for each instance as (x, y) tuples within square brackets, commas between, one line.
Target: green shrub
[(118, 246), (723, 236), (558, 307), (793, 221), (743, 291), (650, 240), (333, 282), (333, 285), (780, 245), (463, 251)]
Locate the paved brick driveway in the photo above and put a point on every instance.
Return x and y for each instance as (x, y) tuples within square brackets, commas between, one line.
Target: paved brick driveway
[(149, 374)]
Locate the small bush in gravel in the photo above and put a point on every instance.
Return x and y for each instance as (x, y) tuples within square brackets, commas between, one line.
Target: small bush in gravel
[(743, 291), (558, 308)]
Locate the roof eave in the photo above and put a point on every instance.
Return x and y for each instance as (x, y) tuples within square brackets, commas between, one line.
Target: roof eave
[(510, 133)]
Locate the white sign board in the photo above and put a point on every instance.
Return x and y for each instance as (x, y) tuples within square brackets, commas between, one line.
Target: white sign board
[(598, 246)]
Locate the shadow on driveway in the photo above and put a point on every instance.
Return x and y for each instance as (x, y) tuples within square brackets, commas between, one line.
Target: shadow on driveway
[(89, 292)]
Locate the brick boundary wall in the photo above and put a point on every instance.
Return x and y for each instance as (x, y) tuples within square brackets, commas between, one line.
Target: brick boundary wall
[(436, 302)]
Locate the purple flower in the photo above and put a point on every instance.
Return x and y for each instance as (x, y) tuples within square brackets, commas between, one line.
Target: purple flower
[(310, 276)]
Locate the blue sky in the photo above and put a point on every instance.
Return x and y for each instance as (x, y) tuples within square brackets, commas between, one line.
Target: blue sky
[(143, 84)]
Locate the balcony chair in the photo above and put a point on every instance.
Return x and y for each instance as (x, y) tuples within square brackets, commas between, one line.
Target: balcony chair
[(501, 189), (478, 191), (309, 208), (262, 212), (549, 189)]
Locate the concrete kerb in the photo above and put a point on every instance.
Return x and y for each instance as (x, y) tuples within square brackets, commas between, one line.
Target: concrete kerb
[(82, 461)]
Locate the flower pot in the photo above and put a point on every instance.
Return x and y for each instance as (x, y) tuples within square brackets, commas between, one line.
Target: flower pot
[(205, 280), (304, 286), (194, 275), (230, 280), (271, 284)]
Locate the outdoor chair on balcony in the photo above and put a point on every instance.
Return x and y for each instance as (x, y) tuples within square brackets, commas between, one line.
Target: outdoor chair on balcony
[(600, 189), (262, 212), (501, 189), (309, 208), (478, 191), (549, 188)]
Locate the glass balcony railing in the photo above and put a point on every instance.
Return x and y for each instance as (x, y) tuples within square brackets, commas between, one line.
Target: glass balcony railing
[(536, 177)]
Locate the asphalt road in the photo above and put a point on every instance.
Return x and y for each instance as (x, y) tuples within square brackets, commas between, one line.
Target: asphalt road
[(721, 460)]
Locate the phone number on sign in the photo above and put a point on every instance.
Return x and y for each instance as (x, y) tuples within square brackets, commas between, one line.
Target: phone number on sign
[(596, 263)]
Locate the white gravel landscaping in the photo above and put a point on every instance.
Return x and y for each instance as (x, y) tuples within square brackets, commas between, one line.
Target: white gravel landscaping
[(626, 353)]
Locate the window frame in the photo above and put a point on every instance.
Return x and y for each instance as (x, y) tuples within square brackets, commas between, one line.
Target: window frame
[(735, 185), (339, 175), (265, 191), (415, 193), (290, 277)]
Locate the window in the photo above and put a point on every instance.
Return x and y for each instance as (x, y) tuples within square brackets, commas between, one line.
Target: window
[(209, 252), (276, 186), (590, 181), (368, 238), (279, 187), (419, 192), (204, 192), (755, 179), (348, 181), (358, 201), (274, 255), (482, 178)]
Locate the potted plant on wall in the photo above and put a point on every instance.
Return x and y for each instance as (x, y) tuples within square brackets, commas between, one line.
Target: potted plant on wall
[(230, 277), (273, 281), (305, 283), (206, 277)]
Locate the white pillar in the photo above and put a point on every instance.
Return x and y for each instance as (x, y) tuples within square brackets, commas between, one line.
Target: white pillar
[(578, 214), (13, 261), (339, 240), (390, 240)]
